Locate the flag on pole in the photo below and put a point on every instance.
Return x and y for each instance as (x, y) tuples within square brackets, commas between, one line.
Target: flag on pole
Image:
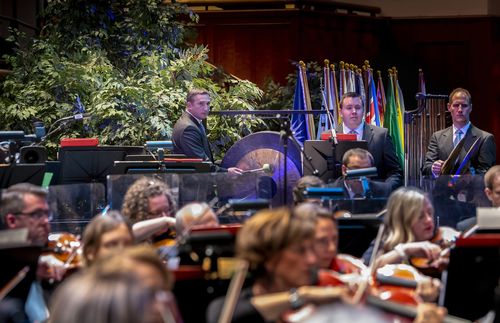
[(302, 125), (335, 93), (400, 104), (373, 114), (391, 120), (323, 123), (382, 102)]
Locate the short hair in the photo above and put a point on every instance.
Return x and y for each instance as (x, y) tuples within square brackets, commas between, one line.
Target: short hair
[(28, 188), (100, 225), (124, 260), (136, 200), (314, 211), (460, 90), (303, 183), (490, 176), (12, 200), (91, 297), (268, 233), (192, 211), (194, 92), (404, 207), (352, 95), (359, 152)]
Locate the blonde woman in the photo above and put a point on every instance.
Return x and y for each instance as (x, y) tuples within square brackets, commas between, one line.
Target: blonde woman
[(411, 230)]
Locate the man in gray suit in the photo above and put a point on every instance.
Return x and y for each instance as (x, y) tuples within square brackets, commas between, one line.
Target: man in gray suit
[(189, 134), (379, 141), (442, 142)]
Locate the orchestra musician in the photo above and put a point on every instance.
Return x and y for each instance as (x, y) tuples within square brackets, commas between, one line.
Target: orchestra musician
[(410, 230), (24, 205), (104, 235), (358, 158), (301, 185), (279, 248), (442, 142), (150, 198)]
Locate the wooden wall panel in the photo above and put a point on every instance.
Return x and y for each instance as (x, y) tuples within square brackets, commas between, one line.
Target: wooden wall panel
[(251, 46)]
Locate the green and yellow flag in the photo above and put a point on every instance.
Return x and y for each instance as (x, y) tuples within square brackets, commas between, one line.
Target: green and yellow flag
[(391, 120)]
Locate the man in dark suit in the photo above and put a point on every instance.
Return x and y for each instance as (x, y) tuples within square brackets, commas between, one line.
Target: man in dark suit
[(442, 142), (379, 141), (189, 135)]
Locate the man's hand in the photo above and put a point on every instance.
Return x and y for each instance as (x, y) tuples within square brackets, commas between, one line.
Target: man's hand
[(436, 167), (234, 171)]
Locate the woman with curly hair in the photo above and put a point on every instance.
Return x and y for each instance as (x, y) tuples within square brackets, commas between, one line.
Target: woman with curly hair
[(150, 206)]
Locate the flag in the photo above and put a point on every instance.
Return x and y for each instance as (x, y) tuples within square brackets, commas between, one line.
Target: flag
[(323, 123), (391, 122), (301, 123), (335, 93), (381, 98), (372, 115), (400, 104), (360, 86), (342, 81)]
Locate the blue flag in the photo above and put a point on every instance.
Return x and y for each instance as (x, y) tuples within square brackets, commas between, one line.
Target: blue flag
[(300, 126)]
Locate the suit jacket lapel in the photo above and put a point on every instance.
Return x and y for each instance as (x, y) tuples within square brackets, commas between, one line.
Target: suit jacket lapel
[(448, 141), (367, 133), (469, 138)]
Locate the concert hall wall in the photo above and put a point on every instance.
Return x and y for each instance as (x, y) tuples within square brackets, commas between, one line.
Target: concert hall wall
[(452, 51)]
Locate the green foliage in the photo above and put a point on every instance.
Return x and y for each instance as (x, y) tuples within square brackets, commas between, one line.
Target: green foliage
[(128, 64)]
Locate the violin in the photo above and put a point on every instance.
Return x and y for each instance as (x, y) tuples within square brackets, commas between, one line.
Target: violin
[(445, 238), (66, 247)]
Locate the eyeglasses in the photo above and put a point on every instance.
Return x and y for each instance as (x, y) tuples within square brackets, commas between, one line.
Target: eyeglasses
[(38, 214)]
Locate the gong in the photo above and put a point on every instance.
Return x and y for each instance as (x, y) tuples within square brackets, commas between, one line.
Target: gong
[(267, 147)]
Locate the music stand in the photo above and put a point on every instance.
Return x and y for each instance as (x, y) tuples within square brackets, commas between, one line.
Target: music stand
[(91, 164), (153, 167), (357, 232), (326, 158), (21, 173), (472, 276)]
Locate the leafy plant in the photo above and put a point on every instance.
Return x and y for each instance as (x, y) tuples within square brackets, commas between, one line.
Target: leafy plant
[(128, 64)]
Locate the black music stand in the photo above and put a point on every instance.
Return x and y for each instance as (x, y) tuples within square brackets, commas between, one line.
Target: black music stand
[(154, 167), (326, 158), (471, 278), (21, 173), (357, 232), (91, 164)]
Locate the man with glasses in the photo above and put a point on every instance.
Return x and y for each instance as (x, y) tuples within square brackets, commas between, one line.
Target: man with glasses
[(358, 158), (442, 142), (25, 206)]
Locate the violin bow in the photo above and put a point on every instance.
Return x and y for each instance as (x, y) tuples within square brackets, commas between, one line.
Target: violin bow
[(13, 282), (371, 268), (233, 292)]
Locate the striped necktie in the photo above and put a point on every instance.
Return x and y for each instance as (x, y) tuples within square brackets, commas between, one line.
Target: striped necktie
[(458, 137)]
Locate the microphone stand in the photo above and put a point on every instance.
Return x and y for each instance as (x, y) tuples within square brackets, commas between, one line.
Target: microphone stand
[(285, 132)]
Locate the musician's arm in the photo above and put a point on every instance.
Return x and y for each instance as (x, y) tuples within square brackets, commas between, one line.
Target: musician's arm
[(431, 156)]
